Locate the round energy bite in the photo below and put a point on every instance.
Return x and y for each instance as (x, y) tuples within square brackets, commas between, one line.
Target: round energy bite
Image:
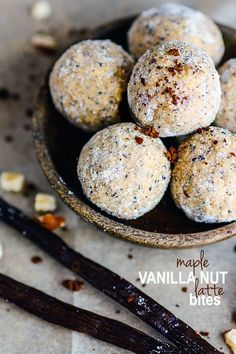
[(203, 178), (175, 22), (226, 117), (88, 82), (123, 171), (175, 88)]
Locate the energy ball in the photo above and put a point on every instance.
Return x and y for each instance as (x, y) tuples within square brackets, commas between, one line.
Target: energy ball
[(175, 22), (226, 117), (203, 178), (175, 88), (124, 171), (88, 82)]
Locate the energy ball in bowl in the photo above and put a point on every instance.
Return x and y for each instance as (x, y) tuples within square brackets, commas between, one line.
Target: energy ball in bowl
[(175, 22), (175, 88), (203, 178), (226, 117), (124, 171), (88, 82)]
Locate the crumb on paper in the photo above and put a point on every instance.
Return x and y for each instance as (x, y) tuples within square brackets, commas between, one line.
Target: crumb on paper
[(72, 285), (230, 339), (41, 10), (5, 95), (44, 42), (12, 181), (45, 203), (51, 221), (36, 259), (204, 333), (1, 250)]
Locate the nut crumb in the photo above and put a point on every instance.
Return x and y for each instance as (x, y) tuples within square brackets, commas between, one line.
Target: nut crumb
[(149, 131), (174, 51), (44, 42), (131, 298), (44, 203), (230, 339), (204, 333), (36, 259), (143, 81), (186, 193), (8, 138), (12, 181), (184, 289), (51, 221), (138, 140), (41, 10), (72, 285), (172, 154)]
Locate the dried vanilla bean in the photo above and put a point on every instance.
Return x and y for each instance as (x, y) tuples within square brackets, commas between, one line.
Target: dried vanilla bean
[(109, 283), (60, 313)]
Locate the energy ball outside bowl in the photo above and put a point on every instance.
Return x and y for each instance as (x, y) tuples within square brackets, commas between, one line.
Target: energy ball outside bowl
[(88, 83), (226, 117), (175, 22), (175, 88), (204, 177), (123, 171)]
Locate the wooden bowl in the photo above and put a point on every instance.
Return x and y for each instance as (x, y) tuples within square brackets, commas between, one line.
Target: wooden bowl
[(58, 145)]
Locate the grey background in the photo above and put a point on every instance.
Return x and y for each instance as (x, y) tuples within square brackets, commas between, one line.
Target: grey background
[(19, 332)]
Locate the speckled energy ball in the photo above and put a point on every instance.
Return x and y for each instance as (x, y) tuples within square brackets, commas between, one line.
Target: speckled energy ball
[(88, 82), (175, 88), (175, 22), (124, 171), (226, 117), (204, 177)]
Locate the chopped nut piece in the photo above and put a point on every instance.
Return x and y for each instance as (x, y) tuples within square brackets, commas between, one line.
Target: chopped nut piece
[(44, 42), (131, 298), (204, 333), (230, 339), (143, 81), (73, 285), (36, 259), (51, 222), (138, 140), (174, 51), (12, 181), (153, 60), (172, 154), (44, 202), (41, 10), (149, 131), (1, 249), (200, 130), (186, 193)]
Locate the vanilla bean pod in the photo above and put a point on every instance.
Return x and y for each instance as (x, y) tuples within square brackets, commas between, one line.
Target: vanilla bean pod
[(109, 283), (60, 313)]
